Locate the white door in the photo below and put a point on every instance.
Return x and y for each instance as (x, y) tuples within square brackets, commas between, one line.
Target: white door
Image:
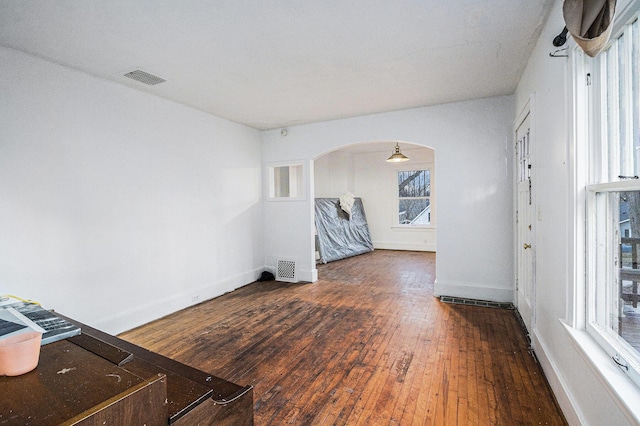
[(524, 232)]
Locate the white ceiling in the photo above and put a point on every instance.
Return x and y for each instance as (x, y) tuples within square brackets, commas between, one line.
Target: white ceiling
[(277, 63)]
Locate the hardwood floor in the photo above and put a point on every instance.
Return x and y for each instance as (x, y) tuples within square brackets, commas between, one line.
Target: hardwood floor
[(366, 344)]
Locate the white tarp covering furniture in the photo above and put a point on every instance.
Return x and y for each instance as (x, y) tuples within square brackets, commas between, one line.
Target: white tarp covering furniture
[(340, 235)]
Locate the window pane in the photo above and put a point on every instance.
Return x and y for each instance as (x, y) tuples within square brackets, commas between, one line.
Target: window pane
[(416, 211), (613, 117), (629, 274), (635, 94), (286, 181), (281, 179), (626, 156), (617, 299), (416, 183), (523, 158)]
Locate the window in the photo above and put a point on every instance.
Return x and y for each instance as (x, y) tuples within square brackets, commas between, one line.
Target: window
[(286, 182), (613, 201), (414, 192)]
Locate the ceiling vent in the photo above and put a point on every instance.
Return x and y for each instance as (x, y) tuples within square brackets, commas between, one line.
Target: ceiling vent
[(145, 77)]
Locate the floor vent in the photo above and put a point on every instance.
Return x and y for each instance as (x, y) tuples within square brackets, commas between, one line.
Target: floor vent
[(524, 328), (144, 77), (474, 302), (287, 271)]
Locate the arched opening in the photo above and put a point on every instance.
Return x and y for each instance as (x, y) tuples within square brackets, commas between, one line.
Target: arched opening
[(399, 199)]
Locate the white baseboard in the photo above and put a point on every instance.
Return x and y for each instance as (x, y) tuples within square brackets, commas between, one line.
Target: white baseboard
[(394, 245), (310, 276), (303, 275), (160, 307), (473, 291), (556, 381)]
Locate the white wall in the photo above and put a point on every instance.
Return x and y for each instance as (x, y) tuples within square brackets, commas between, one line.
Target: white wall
[(333, 175), (370, 177), (473, 148), (581, 391), (115, 208)]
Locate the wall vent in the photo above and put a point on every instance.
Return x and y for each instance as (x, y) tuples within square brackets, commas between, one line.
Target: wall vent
[(145, 77), (287, 271), (474, 302)]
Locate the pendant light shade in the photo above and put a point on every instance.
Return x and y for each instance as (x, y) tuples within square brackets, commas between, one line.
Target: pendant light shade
[(397, 156)]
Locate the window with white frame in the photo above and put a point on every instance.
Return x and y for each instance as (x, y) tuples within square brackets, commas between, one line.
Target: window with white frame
[(613, 200), (414, 193), (286, 182)]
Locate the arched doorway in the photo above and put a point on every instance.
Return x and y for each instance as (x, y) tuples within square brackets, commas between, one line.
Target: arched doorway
[(361, 169)]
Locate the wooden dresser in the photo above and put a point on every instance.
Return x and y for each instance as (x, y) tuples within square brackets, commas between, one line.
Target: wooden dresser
[(98, 379)]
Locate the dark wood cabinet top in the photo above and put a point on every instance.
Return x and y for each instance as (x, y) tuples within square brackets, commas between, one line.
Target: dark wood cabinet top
[(80, 373), (67, 381)]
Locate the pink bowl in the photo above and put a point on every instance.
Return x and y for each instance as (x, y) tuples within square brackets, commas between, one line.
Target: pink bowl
[(19, 354)]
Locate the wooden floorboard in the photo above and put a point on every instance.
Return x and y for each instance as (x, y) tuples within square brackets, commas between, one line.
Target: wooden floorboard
[(367, 344)]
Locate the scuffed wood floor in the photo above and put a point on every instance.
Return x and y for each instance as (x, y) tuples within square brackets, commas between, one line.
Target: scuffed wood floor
[(366, 344)]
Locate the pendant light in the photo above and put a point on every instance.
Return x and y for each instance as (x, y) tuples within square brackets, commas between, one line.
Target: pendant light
[(397, 156)]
